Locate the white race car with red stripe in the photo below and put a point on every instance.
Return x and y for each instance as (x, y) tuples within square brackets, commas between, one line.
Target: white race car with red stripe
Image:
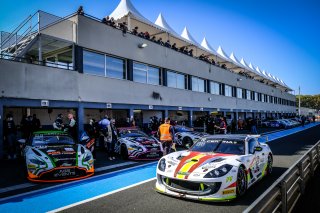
[(216, 168)]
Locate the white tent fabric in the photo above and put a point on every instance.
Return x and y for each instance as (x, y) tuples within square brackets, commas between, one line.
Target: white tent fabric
[(125, 7), (186, 35), (207, 46), (222, 53), (161, 22), (235, 60)]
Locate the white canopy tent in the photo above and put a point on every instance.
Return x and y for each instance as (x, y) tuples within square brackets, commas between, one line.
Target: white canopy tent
[(126, 12)]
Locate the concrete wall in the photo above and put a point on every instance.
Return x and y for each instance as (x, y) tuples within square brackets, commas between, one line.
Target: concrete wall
[(96, 36), (19, 80)]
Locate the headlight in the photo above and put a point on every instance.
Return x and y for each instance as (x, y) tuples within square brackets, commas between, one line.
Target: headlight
[(88, 157), (162, 165), (38, 162), (219, 172)]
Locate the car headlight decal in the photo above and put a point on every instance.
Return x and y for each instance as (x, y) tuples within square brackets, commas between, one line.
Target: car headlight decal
[(162, 165), (37, 161), (219, 172)]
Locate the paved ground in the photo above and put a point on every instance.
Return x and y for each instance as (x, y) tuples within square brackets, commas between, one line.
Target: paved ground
[(143, 198)]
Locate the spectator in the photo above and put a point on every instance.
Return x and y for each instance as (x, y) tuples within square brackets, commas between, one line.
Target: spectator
[(160, 41), (174, 47), (303, 120), (240, 123), (135, 31), (104, 131), (141, 34), (112, 23), (186, 50), (223, 126), (233, 125), (58, 123), (80, 11), (112, 139), (72, 126), (223, 66), (190, 52), (314, 118), (10, 133), (167, 44), (146, 35), (201, 57), (254, 126), (181, 49), (36, 125), (153, 39), (123, 27), (213, 62), (104, 20)]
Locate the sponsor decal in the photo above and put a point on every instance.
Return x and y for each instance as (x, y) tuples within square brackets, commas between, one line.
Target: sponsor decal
[(64, 173), (228, 191), (69, 149), (229, 179)]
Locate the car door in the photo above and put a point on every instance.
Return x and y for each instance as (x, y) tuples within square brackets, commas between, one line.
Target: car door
[(255, 164)]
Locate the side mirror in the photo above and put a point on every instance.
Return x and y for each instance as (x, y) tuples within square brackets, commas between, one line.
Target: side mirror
[(22, 141), (258, 148)]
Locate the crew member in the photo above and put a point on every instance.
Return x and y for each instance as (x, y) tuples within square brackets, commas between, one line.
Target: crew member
[(58, 123), (166, 135), (72, 126), (10, 133)]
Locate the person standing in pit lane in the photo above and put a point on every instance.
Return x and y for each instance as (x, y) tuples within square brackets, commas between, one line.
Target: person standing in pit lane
[(10, 133), (112, 139), (72, 126), (58, 123), (166, 135)]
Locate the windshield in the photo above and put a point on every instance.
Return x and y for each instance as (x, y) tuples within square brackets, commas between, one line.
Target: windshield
[(132, 133), (47, 140), (224, 146)]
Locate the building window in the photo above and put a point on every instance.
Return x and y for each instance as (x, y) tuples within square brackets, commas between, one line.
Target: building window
[(228, 90), (93, 63), (143, 73), (197, 84), (115, 68), (102, 65), (244, 94), (256, 96), (239, 93), (259, 97), (214, 88), (248, 95), (176, 80)]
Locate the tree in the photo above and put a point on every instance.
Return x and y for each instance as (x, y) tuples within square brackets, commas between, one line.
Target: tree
[(309, 101)]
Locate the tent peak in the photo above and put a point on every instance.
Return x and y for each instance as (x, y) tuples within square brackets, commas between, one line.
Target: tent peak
[(186, 35), (124, 8)]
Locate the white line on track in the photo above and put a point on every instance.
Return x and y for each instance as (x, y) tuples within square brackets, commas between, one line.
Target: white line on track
[(27, 185), (100, 196), (72, 182)]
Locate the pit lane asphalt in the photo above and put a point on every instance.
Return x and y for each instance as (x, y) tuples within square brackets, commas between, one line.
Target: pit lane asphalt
[(143, 198)]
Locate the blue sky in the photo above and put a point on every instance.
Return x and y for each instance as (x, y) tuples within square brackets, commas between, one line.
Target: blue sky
[(279, 36)]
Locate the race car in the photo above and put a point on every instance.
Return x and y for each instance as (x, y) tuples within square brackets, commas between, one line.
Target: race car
[(54, 156), (216, 168), (134, 144), (186, 137)]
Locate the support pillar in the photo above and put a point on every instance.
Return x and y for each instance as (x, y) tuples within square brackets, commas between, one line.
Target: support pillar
[(130, 114), (1, 129), (237, 117), (166, 114), (40, 50), (80, 117), (190, 118)]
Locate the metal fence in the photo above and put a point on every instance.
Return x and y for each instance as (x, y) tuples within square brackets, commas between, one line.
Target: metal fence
[(284, 193)]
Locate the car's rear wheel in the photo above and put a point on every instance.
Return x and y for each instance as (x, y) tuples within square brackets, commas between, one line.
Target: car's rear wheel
[(241, 181), (269, 166), (124, 152), (187, 142)]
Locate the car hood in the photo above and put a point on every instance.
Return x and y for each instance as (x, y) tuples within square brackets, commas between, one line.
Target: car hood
[(186, 164), (62, 155)]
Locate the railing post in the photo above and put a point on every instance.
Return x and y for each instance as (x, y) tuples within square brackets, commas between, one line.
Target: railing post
[(284, 196), (300, 165), (311, 163), (38, 22)]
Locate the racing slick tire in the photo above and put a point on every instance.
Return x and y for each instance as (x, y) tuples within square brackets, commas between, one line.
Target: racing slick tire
[(124, 152), (241, 182), (187, 142), (269, 166)]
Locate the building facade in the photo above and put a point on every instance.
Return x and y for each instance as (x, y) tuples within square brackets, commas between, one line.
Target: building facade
[(80, 64)]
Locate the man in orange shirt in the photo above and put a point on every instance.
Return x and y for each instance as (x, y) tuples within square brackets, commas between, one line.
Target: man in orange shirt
[(166, 135)]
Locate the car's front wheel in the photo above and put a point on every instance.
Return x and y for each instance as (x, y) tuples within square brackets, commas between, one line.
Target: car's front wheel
[(187, 142), (241, 181)]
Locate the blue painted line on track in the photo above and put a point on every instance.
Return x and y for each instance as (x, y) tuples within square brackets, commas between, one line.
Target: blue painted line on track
[(47, 200)]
